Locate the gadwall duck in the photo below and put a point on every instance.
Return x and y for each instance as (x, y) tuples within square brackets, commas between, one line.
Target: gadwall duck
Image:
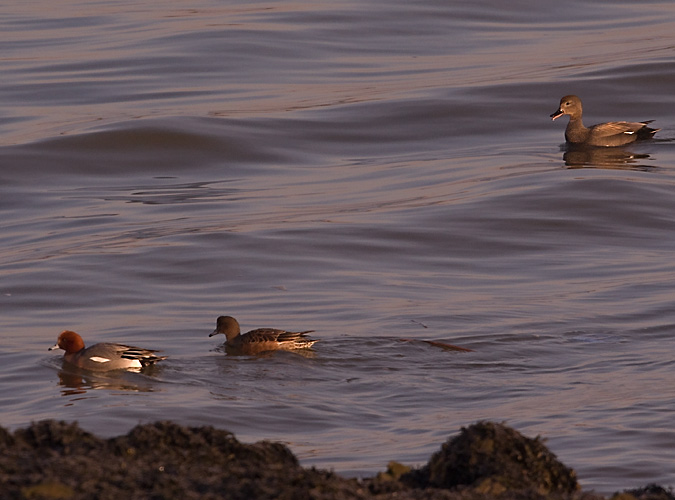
[(259, 340), (104, 356), (602, 134)]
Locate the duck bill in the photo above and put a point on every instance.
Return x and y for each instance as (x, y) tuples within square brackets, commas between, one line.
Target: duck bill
[(557, 114), (214, 332), (54, 347)]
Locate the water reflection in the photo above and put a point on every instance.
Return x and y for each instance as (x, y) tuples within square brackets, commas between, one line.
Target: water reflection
[(599, 157), (78, 381), (308, 353)]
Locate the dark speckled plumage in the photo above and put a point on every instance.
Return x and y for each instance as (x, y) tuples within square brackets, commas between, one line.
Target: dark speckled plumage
[(259, 340), (602, 134)]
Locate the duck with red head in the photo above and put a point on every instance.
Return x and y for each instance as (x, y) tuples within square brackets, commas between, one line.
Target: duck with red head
[(104, 356)]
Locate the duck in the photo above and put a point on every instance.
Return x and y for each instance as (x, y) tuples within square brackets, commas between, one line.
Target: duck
[(603, 134), (104, 356), (260, 339)]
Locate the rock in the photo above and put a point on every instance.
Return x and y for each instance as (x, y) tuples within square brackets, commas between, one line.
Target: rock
[(493, 458), (58, 460), (161, 460), (649, 492)]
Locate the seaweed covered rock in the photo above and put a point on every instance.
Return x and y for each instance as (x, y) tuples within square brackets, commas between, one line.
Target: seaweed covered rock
[(161, 460), (649, 492), (493, 458)]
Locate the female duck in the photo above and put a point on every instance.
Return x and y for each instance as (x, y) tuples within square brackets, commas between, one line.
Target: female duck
[(602, 134), (259, 340)]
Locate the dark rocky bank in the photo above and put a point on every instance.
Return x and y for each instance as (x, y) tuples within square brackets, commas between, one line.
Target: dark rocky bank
[(58, 460)]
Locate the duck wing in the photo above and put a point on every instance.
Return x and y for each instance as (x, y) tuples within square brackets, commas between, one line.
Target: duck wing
[(115, 353), (139, 353), (273, 335), (617, 128), (619, 133)]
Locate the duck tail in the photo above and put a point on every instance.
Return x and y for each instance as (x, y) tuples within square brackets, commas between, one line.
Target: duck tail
[(647, 132)]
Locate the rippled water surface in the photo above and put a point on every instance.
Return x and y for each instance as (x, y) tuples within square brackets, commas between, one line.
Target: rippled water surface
[(374, 171)]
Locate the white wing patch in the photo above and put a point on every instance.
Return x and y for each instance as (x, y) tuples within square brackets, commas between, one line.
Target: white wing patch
[(99, 359)]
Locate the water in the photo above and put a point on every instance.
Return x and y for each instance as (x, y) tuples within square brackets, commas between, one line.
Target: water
[(373, 171)]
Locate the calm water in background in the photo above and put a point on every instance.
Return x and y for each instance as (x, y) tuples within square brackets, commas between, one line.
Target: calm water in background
[(375, 171)]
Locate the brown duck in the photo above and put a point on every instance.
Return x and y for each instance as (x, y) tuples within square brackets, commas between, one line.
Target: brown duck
[(259, 340), (602, 134)]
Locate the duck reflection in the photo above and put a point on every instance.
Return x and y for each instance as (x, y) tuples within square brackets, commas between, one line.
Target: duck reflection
[(78, 381), (308, 353), (618, 158)]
